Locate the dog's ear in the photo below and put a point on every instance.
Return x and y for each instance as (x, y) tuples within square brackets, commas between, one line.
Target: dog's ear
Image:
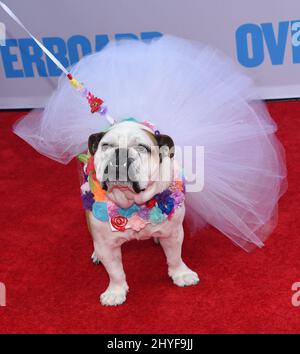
[(165, 141), (94, 141)]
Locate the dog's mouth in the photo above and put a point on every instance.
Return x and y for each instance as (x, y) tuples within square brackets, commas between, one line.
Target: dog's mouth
[(132, 186), (120, 173)]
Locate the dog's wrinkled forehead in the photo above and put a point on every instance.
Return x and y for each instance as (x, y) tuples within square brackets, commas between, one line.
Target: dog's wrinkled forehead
[(123, 134), (126, 134)]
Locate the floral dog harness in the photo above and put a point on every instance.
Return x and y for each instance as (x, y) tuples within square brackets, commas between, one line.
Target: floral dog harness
[(156, 210)]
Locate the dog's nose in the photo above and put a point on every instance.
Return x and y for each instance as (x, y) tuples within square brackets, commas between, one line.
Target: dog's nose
[(120, 159), (120, 164)]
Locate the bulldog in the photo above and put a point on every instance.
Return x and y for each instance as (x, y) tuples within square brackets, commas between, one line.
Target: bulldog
[(134, 191)]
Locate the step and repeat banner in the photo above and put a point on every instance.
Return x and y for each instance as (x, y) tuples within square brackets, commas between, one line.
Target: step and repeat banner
[(261, 36)]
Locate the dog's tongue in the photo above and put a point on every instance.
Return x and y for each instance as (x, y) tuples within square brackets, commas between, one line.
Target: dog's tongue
[(122, 197)]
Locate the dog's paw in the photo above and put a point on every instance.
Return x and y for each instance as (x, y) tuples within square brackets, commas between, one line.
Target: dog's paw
[(95, 259), (184, 276), (114, 296)]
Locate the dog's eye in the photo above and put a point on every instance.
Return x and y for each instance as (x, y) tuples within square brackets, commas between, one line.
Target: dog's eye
[(142, 148), (104, 147)]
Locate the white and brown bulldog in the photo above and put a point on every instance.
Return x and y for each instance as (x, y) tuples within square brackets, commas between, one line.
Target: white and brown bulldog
[(132, 190)]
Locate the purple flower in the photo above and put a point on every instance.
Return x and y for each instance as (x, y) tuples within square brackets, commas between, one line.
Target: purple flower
[(103, 110), (163, 197), (178, 198), (144, 213), (165, 202), (88, 200)]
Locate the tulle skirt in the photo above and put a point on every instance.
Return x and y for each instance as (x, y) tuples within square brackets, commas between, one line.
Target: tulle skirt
[(195, 94)]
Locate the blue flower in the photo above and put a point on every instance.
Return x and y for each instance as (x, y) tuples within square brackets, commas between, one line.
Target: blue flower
[(166, 206), (128, 212), (100, 211), (88, 200), (165, 202), (156, 215)]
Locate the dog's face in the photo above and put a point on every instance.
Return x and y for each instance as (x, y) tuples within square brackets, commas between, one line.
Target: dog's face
[(132, 164)]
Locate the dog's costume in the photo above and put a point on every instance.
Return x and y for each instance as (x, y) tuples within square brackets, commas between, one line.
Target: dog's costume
[(196, 95), (158, 209)]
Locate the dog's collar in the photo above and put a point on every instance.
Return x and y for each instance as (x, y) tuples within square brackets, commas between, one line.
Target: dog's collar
[(155, 211)]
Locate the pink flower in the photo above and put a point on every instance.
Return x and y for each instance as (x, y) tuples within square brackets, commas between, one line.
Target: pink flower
[(112, 210), (136, 223)]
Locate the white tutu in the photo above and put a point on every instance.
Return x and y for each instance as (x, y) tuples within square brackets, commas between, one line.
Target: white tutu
[(198, 97)]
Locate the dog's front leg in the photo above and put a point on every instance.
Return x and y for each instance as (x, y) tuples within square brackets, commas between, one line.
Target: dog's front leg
[(111, 258), (180, 273)]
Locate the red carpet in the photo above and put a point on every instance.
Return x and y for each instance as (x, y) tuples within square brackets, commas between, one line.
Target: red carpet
[(53, 287)]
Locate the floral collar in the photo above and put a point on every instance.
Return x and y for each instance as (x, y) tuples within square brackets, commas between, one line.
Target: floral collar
[(156, 210)]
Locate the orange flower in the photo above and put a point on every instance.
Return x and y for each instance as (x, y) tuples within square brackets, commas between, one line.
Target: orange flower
[(99, 193), (179, 185)]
